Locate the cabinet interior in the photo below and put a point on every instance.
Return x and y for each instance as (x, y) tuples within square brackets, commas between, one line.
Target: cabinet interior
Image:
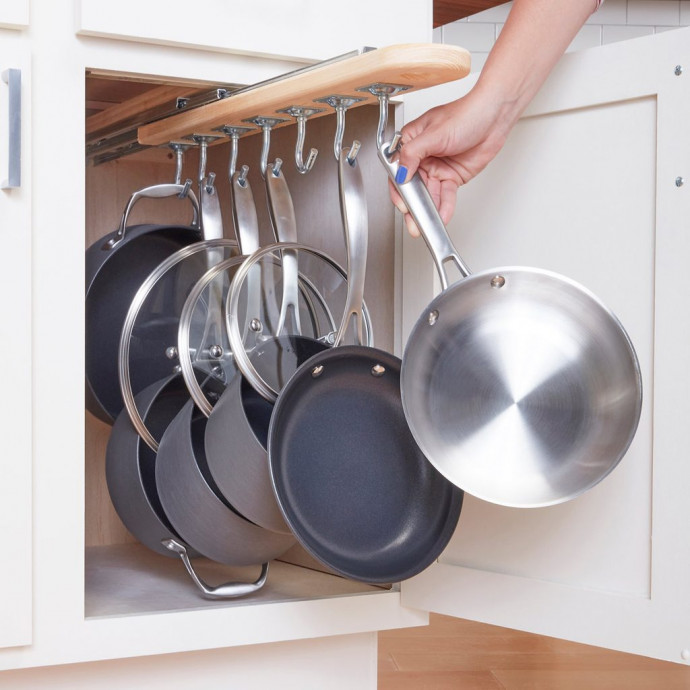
[(122, 576)]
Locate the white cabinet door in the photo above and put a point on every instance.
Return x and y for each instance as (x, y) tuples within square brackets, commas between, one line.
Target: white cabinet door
[(15, 344), (594, 183), (294, 29), (14, 14)]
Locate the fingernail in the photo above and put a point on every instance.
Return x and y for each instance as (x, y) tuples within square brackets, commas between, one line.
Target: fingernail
[(401, 175)]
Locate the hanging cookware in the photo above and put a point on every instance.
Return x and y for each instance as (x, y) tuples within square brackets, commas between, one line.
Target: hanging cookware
[(116, 265), (519, 385), (352, 484), (238, 424)]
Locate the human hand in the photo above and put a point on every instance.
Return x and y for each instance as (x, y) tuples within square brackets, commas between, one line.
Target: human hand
[(449, 145)]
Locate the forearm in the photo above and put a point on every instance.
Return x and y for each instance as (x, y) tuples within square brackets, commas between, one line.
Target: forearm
[(535, 36)]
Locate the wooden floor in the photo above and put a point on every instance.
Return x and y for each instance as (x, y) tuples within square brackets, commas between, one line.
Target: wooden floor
[(462, 655)]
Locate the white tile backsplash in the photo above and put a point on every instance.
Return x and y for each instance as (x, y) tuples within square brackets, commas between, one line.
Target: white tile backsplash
[(588, 37), (685, 12), (653, 12), (478, 60), (616, 20), (473, 37), (611, 12), (495, 14), (612, 34)]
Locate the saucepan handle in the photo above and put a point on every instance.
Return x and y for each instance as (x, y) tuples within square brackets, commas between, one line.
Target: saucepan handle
[(229, 590), (353, 204), (156, 191), (422, 208), (282, 214)]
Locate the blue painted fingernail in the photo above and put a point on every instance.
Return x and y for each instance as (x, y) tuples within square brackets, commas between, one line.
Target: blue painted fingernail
[(401, 174)]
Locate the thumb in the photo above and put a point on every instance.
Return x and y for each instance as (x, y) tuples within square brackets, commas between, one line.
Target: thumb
[(412, 152)]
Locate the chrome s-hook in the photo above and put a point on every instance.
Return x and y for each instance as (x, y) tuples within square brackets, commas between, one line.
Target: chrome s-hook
[(301, 114), (341, 104), (383, 92), (266, 124), (234, 132)]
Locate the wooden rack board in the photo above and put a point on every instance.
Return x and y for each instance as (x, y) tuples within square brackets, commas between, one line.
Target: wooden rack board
[(414, 65)]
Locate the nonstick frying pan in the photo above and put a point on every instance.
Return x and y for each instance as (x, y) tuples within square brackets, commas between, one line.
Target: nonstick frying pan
[(116, 265), (353, 485), (518, 383)]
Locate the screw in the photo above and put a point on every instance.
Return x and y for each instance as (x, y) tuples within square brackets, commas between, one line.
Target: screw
[(378, 370), (679, 181), (678, 70)]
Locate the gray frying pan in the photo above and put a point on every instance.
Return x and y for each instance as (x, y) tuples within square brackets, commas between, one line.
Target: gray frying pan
[(520, 385), (353, 485)]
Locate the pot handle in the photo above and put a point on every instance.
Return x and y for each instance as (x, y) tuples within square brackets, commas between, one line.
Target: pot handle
[(422, 208), (353, 206), (156, 191), (282, 212), (230, 590)]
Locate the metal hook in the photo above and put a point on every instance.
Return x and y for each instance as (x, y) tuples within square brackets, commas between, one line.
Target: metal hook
[(341, 104), (301, 114), (266, 124), (383, 92), (234, 133), (178, 148), (203, 140)]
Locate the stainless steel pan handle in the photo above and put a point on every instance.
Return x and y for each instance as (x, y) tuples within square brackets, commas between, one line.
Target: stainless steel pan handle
[(422, 208), (353, 207), (229, 590), (156, 191), (283, 219)]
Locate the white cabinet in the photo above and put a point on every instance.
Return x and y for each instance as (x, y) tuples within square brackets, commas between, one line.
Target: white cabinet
[(298, 29), (14, 14), (15, 334), (587, 186), (587, 571)]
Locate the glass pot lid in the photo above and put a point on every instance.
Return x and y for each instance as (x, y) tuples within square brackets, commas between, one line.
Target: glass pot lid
[(148, 344)]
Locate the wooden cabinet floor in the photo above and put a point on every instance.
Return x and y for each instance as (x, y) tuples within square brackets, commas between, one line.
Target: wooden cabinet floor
[(456, 654)]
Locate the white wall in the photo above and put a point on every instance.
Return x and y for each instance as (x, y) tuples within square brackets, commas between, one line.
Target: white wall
[(616, 20)]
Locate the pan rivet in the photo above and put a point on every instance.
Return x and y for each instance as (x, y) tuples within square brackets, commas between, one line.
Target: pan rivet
[(378, 370), (171, 352), (433, 317), (498, 282), (215, 351), (256, 325), (317, 371), (177, 369)]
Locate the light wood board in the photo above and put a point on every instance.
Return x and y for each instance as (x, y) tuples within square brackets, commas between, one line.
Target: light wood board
[(415, 65)]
